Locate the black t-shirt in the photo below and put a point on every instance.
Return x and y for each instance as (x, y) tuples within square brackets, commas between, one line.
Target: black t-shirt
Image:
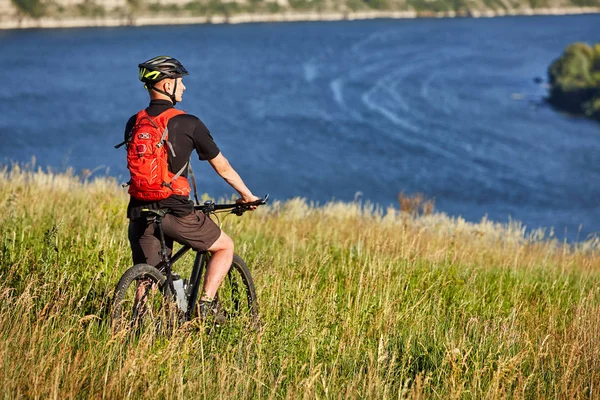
[(186, 133)]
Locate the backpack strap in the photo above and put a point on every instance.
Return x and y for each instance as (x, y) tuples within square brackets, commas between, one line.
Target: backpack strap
[(178, 174), (170, 146), (193, 183), (165, 116), (163, 137)]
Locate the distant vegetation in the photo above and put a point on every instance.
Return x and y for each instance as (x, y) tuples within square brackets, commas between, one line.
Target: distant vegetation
[(575, 80), (32, 8), (142, 8)]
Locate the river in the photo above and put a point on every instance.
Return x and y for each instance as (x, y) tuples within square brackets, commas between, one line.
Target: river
[(330, 110)]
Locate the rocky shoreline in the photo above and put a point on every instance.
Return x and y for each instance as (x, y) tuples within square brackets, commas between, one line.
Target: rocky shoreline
[(46, 22)]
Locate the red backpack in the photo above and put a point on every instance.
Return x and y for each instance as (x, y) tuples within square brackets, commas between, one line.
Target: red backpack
[(148, 160)]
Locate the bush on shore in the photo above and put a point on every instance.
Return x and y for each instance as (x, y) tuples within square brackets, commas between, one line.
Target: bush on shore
[(575, 80), (31, 8)]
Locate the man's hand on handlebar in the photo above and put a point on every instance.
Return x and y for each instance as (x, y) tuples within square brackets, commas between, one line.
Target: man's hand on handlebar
[(249, 199)]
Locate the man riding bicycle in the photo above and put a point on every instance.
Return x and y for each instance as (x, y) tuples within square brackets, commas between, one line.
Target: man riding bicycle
[(181, 134)]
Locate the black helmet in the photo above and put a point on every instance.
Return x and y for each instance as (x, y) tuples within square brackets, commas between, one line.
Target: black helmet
[(159, 68)]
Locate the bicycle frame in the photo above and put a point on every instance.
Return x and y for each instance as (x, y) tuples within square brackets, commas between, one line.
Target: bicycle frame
[(200, 262), (202, 257), (195, 282)]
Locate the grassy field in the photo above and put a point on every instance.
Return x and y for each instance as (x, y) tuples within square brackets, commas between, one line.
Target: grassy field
[(356, 303)]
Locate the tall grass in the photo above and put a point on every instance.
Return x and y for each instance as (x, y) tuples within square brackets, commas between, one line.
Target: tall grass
[(356, 302)]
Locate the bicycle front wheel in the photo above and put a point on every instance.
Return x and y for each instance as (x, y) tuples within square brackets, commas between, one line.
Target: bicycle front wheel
[(237, 295), (140, 302)]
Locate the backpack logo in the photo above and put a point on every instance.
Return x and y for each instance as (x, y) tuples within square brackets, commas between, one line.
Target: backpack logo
[(144, 136)]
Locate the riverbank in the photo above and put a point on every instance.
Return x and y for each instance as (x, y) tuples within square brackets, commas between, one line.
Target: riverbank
[(49, 23)]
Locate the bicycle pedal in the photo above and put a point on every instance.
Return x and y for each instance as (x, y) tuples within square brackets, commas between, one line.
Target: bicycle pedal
[(212, 310), (174, 275)]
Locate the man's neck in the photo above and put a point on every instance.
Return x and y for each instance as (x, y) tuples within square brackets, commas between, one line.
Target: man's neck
[(161, 101), (158, 96)]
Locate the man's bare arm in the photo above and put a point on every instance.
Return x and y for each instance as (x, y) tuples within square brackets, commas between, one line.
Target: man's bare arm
[(226, 171)]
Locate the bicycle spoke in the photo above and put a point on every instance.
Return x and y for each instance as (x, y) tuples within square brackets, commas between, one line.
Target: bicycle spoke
[(234, 292)]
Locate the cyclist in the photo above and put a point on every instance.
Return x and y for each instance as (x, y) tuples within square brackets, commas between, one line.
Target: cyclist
[(162, 77)]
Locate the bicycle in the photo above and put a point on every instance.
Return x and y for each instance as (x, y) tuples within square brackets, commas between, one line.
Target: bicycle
[(149, 295)]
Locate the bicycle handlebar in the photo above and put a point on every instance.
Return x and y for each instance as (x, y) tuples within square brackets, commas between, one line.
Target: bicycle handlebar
[(236, 208)]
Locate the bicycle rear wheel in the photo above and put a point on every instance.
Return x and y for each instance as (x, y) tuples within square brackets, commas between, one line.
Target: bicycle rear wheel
[(140, 302), (237, 295)]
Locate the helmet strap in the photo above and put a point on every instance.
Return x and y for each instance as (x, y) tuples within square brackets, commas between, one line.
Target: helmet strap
[(174, 91), (171, 95)]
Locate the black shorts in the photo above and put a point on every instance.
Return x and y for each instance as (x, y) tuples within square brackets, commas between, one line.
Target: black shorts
[(195, 230)]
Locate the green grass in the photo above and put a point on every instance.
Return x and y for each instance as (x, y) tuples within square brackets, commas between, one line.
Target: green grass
[(356, 303)]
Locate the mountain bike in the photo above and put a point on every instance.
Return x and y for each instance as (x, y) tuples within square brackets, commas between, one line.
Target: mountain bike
[(153, 296)]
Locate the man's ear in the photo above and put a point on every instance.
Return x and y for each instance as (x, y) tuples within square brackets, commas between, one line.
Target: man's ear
[(167, 85)]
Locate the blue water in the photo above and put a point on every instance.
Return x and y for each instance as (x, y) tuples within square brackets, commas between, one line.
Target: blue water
[(330, 110)]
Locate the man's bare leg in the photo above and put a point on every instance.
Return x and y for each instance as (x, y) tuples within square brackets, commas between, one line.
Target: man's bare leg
[(220, 262)]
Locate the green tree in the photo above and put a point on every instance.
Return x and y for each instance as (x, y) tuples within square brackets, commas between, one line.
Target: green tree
[(575, 80), (134, 5), (195, 7), (90, 8), (32, 8), (377, 4)]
